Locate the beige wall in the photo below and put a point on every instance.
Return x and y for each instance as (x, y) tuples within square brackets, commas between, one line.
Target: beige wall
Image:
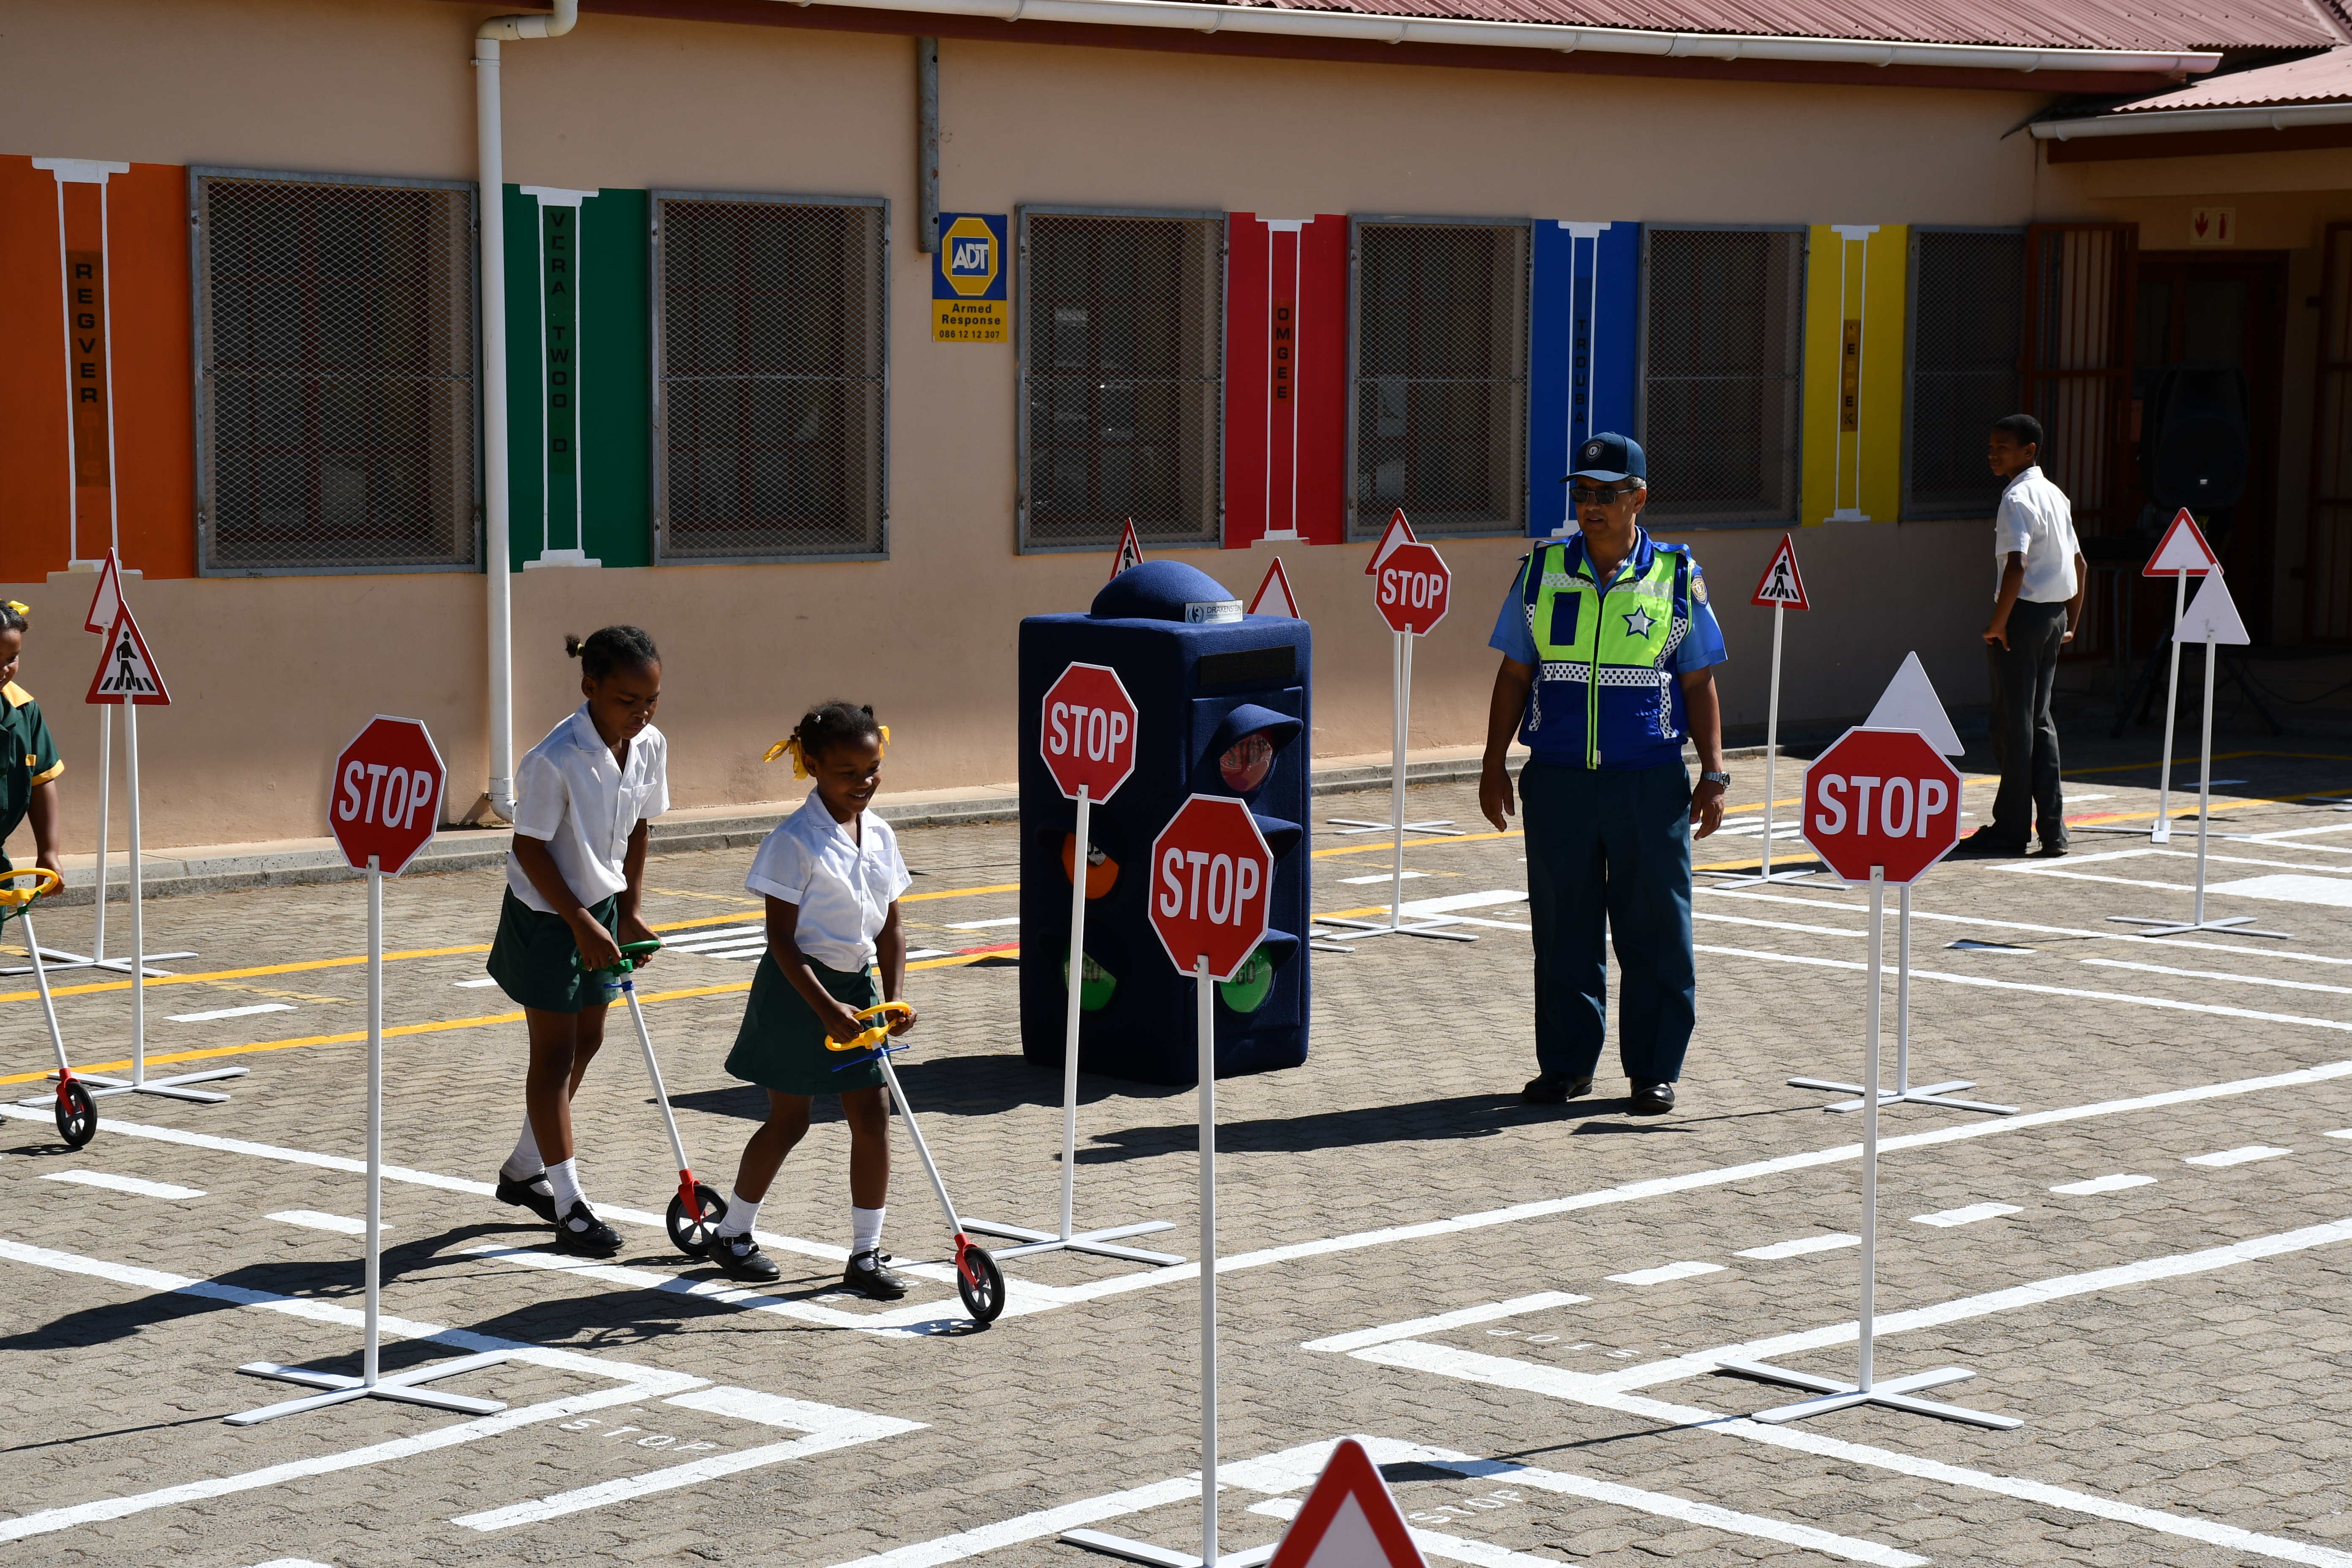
[(272, 675)]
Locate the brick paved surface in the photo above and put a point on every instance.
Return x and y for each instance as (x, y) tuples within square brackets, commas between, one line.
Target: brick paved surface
[(2214, 1395)]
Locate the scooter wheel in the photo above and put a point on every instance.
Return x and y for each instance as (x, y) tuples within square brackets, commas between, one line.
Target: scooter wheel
[(985, 1300), (77, 1114), (685, 1233)]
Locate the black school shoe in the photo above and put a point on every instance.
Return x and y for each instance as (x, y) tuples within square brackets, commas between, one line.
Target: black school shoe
[(532, 1192), (867, 1276), (1651, 1099), (1555, 1089), (583, 1233), (740, 1258)]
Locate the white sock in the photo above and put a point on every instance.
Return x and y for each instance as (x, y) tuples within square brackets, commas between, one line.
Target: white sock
[(563, 1179), (865, 1230), (742, 1213), (524, 1163)]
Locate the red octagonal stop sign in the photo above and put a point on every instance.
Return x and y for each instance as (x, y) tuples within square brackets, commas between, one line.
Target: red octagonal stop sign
[(1087, 731), (386, 800), (1414, 587), (1212, 885), (1882, 797)]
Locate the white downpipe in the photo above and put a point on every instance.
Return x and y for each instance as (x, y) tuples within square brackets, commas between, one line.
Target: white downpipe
[(2172, 121), (491, 179), (1214, 18)]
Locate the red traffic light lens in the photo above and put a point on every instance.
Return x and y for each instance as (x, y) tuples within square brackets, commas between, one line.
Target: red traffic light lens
[(1246, 762)]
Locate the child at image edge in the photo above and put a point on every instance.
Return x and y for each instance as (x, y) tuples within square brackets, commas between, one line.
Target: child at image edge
[(832, 875), (30, 765), (582, 796)]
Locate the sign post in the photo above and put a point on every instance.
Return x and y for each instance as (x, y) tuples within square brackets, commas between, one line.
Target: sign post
[(1087, 737), (2183, 554), (1880, 807), (1212, 898), (1780, 589), (383, 808), (1412, 588)]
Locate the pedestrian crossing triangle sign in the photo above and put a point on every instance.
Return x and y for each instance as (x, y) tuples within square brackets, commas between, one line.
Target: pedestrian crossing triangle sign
[(1273, 596), (127, 673), (1130, 551), (1782, 586), (2184, 550), (107, 599), (1399, 531), (1349, 1521)]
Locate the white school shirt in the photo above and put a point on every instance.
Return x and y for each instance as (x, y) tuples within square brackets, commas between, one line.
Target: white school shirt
[(2037, 522), (844, 888), (570, 792)]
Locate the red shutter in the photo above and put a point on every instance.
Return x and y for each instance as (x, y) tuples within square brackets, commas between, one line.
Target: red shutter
[(1286, 378)]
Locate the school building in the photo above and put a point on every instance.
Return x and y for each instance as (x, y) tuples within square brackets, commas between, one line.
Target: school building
[(390, 339)]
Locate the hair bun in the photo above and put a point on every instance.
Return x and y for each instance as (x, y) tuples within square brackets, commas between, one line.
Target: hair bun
[(571, 645)]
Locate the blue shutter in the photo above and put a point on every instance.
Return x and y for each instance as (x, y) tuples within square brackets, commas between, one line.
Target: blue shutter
[(1581, 377)]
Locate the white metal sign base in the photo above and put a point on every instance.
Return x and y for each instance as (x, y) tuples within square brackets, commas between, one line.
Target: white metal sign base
[(175, 1088), (1160, 1556), (1435, 929), (1095, 1241), (1350, 825), (400, 1385), (57, 959), (1894, 1395), (2236, 925), (1742, 878)]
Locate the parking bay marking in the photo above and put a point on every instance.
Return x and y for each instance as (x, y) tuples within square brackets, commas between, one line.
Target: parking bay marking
[(133, 1185), (2116, 1184)]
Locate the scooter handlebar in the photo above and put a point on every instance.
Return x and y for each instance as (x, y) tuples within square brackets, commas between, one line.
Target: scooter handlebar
[(630, 952), (875, 1036), (46, 882)]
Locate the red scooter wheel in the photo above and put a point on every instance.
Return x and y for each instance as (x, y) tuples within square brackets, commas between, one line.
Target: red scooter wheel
[(687, 1234), (77, 1114), (980, 1284)]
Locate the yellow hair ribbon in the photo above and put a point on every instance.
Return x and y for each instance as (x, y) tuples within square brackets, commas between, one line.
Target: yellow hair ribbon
[(788, 746), (19, 606), (885, 730)]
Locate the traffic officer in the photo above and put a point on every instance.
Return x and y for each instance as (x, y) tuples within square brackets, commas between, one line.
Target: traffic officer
[(1608, 647)]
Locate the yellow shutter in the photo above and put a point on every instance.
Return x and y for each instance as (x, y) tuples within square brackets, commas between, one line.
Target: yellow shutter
[(1854, 302)]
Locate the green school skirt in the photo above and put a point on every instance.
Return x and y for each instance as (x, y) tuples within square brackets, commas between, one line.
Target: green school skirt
[(782, 1047), (534, 958)]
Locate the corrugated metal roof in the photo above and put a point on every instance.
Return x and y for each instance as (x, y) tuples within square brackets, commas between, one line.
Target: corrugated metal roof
[(2321, 78), (2065, 24)]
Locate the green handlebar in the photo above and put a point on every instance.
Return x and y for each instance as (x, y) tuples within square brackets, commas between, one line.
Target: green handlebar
[(630, 952)]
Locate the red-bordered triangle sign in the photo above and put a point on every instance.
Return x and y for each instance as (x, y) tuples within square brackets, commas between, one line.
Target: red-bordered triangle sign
[(1399, 531), (127, 672), (1273, 596), (1130, 550), (1349, 1521), (2184, 549), (1782, 585), (107, 600)]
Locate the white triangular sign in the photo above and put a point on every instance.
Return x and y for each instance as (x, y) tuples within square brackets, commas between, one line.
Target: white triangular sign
[(1349, 1521), (1130, 551), (1909, 702), (2184, 549), (2213, 613), (106, 602), (1399, 531), (1273, 596), (1781, 585), (127, 672)]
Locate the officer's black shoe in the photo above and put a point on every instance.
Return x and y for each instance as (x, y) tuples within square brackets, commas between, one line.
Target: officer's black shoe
[(532, 1192), (2049, 851), (580, 1231), (867, 1275), (1982, 842), (1555, 1089), (1651, 1099), (740, 1258)]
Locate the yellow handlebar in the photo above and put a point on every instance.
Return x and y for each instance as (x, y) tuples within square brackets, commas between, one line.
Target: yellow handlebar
[(875, 1036), (17, 898)]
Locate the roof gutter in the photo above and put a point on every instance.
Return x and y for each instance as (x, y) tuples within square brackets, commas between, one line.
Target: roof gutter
[(1232, 18), (2173, 121)]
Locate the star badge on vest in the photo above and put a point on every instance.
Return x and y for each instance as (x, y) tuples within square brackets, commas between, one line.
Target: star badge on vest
[(1638, 624), (1699, 584)]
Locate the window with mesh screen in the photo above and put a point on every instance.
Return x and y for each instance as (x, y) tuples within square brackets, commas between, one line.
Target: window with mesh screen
[(1968, 333), (770, 378), (1722, 316), (1122, 363), (336, 401), (1440, 377)]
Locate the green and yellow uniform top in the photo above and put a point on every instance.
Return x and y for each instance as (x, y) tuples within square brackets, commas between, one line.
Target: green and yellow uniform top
[(30, 759)]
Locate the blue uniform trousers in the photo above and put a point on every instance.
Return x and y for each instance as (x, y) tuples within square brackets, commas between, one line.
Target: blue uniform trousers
[(1614, 843)]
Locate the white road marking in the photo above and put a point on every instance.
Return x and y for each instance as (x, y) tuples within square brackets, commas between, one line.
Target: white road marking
[(2333, 891), (289, 1563), (231, 1013), (2102, 1184), (472, 984), (1665, 1273), (313, 1219), (1015, 919), (1776, 925), (1801, 1247), (2246, 1156), (1039, 1526), (2221, 975), (1448, 903), (2339, 1132), (125, 1184), (1358, 1338), (1383, 877), (1967, 1216), (1581, 1388)]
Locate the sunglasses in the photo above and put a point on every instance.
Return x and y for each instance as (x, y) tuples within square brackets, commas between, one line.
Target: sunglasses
[(1592, 495)]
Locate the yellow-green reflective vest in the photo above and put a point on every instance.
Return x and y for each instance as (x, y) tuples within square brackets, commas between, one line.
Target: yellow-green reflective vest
[(1608, 655)]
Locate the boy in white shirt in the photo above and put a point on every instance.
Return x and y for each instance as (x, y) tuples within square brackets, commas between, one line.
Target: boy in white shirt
[(832, 875), (2037, 602)]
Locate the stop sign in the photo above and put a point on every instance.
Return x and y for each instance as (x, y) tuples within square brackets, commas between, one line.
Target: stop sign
[(1087, 731), (1413, 585), (386, 797), (1212, 883), (1882, 797)]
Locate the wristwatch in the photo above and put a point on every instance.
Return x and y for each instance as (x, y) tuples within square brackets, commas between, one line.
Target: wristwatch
[(1723, 779)]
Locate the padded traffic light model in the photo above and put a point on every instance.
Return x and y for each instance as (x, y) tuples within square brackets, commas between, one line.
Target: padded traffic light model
[(1222, 709)]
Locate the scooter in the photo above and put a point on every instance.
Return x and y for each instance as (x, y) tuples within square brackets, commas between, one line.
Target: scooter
[(77, 1112), (696, 1211), (978, 1279)]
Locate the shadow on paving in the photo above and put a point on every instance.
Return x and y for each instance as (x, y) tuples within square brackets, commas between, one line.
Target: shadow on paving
[(947, 1085), (1427, 1121)]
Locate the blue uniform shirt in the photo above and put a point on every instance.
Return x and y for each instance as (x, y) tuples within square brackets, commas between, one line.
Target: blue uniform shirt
[(1624, 742)]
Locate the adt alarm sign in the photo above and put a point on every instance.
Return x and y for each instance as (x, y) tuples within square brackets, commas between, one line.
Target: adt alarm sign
[(1883, 798), (968, 273), (387, 794), (1211, 878)]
